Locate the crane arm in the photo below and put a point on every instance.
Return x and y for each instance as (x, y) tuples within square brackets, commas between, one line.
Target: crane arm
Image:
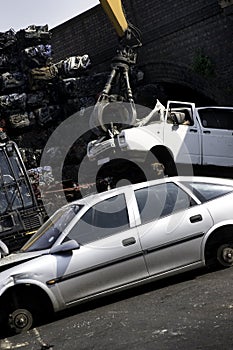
[(118, 80), (114, 11)]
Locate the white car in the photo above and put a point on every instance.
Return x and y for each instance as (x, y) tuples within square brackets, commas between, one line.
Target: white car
[(181, 133), (115, 240)]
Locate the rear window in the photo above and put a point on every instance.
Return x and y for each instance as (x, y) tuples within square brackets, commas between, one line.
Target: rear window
[(207, 191)]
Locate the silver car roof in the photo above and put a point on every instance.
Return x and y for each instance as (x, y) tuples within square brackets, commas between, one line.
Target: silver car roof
[(91, 199)]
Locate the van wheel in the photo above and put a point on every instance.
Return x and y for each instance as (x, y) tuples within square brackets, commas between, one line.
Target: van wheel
[(170, 167), (165, 159), (225, 255), (20, 320)]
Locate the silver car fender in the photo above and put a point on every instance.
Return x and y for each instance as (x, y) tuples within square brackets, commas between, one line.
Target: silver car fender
[(52, 293)]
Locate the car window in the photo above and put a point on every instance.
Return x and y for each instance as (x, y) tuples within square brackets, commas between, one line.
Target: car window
[(180, 116), (102, 220), (207, 191), (217, 118), (161, 200)]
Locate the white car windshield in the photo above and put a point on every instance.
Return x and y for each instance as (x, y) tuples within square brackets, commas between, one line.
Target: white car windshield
[(49, 232)]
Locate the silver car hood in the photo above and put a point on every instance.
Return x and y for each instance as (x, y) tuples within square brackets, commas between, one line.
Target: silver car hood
[(19, 258)]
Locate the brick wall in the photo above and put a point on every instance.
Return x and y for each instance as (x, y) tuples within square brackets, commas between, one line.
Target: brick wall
[(188, 43)]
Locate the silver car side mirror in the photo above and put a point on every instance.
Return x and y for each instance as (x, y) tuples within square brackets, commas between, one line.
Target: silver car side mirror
[(65, 247)]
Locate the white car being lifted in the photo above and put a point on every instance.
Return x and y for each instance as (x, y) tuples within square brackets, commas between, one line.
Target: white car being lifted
[(180, 134)]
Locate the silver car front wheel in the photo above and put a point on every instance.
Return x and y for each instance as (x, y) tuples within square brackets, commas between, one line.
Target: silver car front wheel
[(20, 320)]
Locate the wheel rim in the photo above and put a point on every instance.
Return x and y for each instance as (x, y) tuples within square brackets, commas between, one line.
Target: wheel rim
[(225, 255), (20, 320)]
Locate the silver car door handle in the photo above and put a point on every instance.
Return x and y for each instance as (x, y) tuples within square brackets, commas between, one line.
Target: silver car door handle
[(128, 241), (195, 218)]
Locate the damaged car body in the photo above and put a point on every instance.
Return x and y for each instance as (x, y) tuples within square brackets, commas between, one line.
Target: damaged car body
[(116, 240)]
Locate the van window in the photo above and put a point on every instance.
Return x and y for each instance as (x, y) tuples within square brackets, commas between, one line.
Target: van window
[(216, 118)]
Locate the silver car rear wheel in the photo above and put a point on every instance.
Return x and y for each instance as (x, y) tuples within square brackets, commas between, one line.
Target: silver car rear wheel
[(225, 255)]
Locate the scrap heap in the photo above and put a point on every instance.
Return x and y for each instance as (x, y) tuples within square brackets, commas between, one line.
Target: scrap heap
[(36, 94)]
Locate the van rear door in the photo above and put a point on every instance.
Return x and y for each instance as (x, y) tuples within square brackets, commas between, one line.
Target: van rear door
[(217, 135)]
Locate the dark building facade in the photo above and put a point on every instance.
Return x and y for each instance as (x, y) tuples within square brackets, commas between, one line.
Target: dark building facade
[(187, 45)]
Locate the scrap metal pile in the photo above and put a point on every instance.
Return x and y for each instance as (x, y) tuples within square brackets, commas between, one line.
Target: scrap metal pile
[(36, 94)]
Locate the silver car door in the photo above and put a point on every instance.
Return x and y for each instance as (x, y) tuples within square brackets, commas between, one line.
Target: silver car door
[(110, 254), (172, 227)]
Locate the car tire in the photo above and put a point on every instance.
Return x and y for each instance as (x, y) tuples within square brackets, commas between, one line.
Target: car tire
[(20, 320), (225, 255), (163, 157), (170, 167)]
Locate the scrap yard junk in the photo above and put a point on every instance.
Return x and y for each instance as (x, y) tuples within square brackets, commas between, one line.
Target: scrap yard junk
[(20, 215), (36, 94)]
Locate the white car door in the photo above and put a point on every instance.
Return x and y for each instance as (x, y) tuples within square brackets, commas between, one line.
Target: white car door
[(183, 139), (217, 135), (172, 227), (110, 253)]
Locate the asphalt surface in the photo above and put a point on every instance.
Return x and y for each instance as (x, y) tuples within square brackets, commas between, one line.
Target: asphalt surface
[(190, 311)]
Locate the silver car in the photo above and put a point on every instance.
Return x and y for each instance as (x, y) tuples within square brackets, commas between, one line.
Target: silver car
[(115, 240)]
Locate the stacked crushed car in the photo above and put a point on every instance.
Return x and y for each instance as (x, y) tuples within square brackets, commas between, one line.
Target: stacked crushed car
[(20, 54), (36, 93)]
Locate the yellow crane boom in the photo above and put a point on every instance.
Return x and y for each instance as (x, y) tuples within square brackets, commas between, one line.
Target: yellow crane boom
[(114, 11)]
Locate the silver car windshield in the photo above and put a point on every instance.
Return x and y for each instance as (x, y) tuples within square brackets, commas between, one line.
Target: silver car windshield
[(49, 232)]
